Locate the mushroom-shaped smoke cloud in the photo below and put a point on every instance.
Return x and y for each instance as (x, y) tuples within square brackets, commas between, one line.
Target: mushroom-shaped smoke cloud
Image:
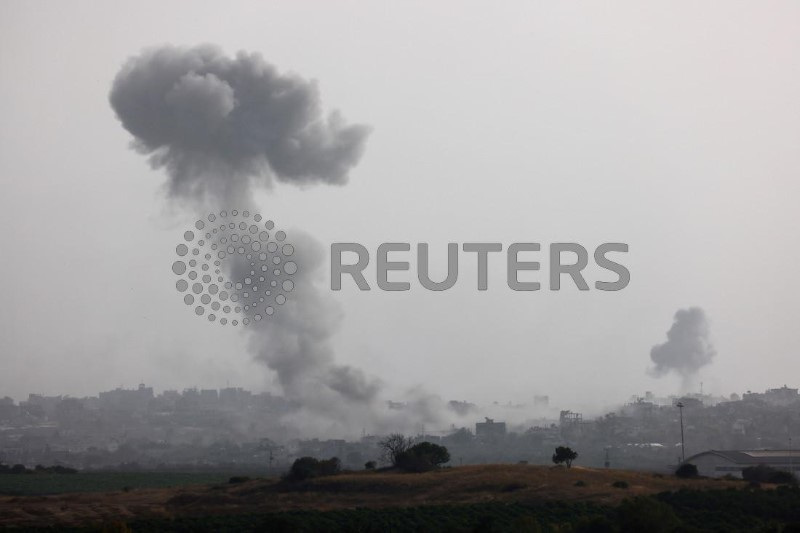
[(219, 124)]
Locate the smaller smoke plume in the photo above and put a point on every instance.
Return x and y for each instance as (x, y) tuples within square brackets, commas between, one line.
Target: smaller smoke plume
[(688, 347)]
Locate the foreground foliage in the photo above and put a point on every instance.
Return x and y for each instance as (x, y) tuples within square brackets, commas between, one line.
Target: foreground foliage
[(422, 457), (695, 511), (309, 467)]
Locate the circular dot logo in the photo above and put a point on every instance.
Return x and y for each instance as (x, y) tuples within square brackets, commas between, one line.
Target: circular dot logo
[(259, 257)]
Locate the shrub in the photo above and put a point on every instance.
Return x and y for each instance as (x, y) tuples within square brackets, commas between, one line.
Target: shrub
[(310, 467), (19, 469), (238, 479), (620, 485), (392, 446), (646, 514), (330, 467), (767, 474), (370, 465), (686, 470), (580, 483), (565, 455), (422, 457), (782, 477)]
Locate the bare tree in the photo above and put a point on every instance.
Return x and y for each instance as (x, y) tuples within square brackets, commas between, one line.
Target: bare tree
[(394, 445)]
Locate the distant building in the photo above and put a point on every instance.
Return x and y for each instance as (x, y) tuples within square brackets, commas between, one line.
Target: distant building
[(490, 428), (209, 398), (126, 399), (690, 402), (39, 403), (569, 418), (234, 397), (541, 401), (718, 463), (781, 396)]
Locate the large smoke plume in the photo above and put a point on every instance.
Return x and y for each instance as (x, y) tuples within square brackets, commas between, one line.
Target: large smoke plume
[(220, 126), (688, 347)]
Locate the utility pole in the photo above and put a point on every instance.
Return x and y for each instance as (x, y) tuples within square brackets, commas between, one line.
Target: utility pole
[(679, 405)]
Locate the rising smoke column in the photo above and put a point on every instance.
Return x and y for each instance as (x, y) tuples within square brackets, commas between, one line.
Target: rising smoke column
[(295, 342), (688, 347), (220, 127)]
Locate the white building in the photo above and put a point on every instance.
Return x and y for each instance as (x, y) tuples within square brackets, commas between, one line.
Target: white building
[(717, 463)]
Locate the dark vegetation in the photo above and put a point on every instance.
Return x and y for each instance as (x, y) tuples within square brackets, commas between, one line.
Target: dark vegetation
[(766, 474), (486, 498), (308, 467), (565, 455), (401, 452), (683, 511), (393, 446), (686, 471), (422, 457), (43, 483), (39, 469)]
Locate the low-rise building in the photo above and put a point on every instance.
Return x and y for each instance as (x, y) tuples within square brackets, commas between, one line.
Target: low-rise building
[(718, 463)]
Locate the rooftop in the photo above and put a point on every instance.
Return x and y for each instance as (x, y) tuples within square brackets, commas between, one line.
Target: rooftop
[(753, 457)]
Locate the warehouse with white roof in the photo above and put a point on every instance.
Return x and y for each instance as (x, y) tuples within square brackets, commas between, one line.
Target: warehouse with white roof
[(718, 463)]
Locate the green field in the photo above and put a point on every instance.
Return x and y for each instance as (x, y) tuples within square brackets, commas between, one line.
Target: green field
[(42, 484)]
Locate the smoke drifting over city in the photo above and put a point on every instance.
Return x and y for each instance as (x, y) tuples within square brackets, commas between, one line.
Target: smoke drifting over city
[(296, 342), (688, 347), (220, 126)]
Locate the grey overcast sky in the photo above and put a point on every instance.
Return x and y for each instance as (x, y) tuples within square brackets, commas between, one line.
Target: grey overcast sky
[(671, 126)]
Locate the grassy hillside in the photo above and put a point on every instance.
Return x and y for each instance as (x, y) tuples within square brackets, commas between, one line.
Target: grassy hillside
[(484, 484), (455, 499)]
